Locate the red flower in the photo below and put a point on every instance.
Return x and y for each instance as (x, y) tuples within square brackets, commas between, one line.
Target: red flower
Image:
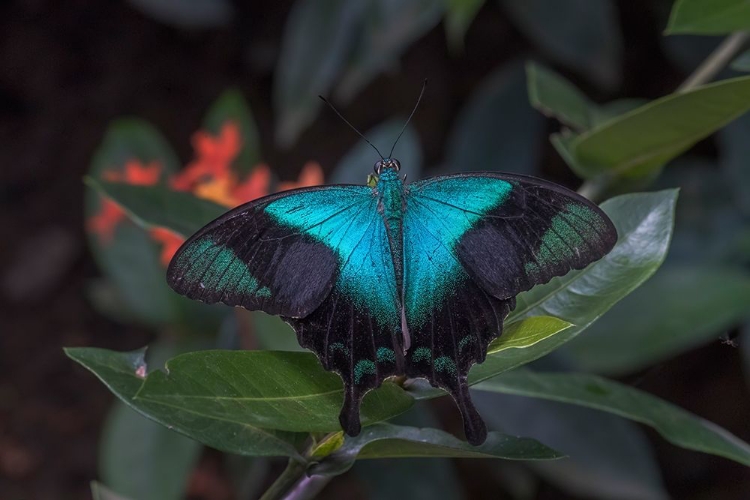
[(209, 176), (105, 222)]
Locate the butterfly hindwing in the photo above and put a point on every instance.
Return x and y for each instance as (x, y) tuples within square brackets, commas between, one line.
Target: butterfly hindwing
[(472, 242)]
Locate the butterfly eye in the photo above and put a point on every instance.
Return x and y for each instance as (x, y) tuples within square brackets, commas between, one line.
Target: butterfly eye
[(396, 164), (378, 167)]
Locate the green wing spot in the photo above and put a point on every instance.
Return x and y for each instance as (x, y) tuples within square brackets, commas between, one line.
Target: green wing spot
[(338, 346), (465, 341), (445, 364), (569, 229), (217, 267), (363, 367), (421, 354), (384, 354)]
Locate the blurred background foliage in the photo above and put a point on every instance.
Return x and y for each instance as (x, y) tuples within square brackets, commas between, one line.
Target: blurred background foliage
[(595, 94)]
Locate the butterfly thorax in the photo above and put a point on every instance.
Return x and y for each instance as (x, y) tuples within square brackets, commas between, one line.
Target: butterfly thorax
[(390, 192)]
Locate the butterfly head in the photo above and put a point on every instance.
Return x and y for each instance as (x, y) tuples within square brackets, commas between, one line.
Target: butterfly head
[(387, 163)]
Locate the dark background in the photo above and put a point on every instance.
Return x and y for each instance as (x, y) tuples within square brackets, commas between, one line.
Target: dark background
[(68, 68)]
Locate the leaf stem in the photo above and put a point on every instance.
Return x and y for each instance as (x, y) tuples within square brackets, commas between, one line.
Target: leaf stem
[(294, 472), (295, 484), (715, 62)]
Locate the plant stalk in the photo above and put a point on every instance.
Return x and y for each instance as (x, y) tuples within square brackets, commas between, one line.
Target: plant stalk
[(719, 58), (285, 483)]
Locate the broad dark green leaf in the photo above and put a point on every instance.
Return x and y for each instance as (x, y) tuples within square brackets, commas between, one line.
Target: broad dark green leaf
[(458, 18), (413, 478), (681, 307), (282, 390), (394, 441), (358, 162), (580, 34), (189, 14), (231, 106), (714, 17), (608, 457), (140, 458), (130, 260), (643, 140), (674, 424), (644, 222), (123, 374), (497, 129), (388, 27), (151, 206), (316, 41)]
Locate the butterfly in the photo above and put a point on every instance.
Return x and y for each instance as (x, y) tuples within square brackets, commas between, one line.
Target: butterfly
[(390, 278)]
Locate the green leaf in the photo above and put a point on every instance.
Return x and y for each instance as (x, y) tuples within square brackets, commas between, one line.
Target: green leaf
[(714, 17), (412, 478), (123, 374), (608, 457), (140, 458), (388, 28), (644, 223), (580, 34), (151, 206), (282, 390), (101, 492), (131, 259), (674, 424), (188, 14), (555, 96), (527, 332), (522, 341), (681, 307), (232, 106), (360, 159), (458, 18), (497, 129), (394, 441), (643, 140), (316, 41)]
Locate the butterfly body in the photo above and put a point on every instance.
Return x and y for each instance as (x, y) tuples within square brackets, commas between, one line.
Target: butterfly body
[(395, 279)]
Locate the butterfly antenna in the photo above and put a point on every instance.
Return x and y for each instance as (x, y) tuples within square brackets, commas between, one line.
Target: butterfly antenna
[(424, 85), (352, 126)]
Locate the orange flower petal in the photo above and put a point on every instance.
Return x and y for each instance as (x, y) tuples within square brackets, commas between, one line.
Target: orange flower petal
[(105, 222), (256, 184), (139, 174), (217, 189), (311, 175), (136, 173), (169, 240)]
